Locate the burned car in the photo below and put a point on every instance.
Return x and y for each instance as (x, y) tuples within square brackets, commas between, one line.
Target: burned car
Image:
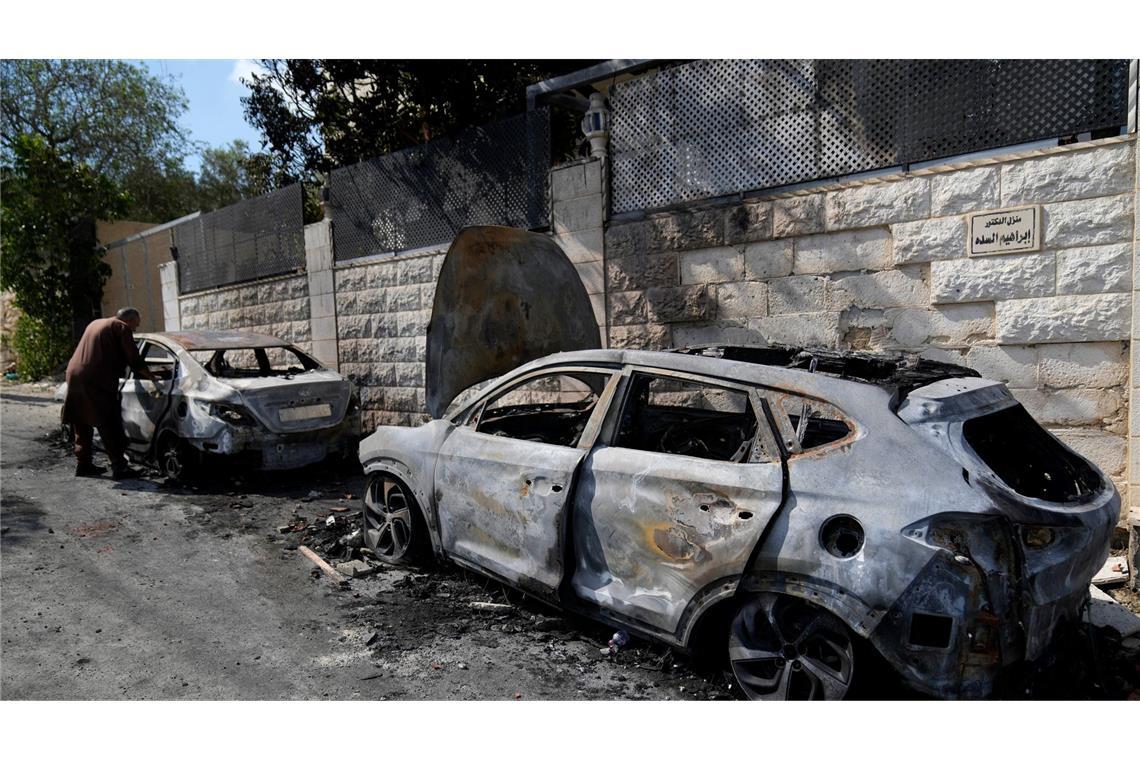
[(835, 510), (240, 395)]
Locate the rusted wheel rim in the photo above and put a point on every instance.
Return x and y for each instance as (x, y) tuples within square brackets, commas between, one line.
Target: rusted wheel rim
[(170, 459), (387, 518), (783, 648)]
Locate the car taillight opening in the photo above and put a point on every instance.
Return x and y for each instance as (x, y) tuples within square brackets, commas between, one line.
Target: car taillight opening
[(1028, 459)]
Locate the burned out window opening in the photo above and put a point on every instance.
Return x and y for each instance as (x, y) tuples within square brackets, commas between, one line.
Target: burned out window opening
[(807, 424), (688, 418), (278, 361), (160, 361), (552, 408), (1027, 458)]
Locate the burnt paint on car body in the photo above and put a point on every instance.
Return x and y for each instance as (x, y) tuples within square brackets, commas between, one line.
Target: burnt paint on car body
[(267, 441), (652, 542)]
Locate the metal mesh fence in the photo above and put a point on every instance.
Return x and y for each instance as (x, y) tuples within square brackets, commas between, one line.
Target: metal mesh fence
[(713, 128), (258, 237), (423, 196)]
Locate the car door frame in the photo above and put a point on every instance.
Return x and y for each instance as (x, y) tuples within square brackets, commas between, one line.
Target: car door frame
[(467, 422), (132, 378), (718, 588)]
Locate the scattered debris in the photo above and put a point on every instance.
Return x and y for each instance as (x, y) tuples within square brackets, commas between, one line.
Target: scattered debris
[(356, 568), (491, 607), (331, 521), (616, 642), (1108, 613), (338, 509), (1115, 570), (325, 567)]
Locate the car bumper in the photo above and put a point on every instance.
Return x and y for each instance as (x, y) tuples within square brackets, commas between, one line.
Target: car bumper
[(994, 604), (263, 450)]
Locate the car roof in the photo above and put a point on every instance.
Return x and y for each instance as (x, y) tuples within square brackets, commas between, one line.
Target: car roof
[(814, 372), (205, 340)]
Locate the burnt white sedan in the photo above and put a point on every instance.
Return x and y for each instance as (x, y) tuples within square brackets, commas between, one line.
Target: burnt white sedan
[(240, 395)]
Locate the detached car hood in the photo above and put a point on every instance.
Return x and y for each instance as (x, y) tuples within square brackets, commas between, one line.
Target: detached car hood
[(504, 297)]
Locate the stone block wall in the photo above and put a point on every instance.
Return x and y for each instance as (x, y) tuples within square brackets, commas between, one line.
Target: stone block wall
[(276, 306), (883, 265), (577, 212), (383, 309)]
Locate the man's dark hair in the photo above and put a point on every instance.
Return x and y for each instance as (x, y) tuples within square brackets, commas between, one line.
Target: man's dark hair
[(127, 312)]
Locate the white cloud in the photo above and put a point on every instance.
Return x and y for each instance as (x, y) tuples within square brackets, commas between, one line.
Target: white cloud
[(244, 67)]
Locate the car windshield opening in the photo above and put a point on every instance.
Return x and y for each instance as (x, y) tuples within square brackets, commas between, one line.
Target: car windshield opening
[(1027, 458), (280, 361)]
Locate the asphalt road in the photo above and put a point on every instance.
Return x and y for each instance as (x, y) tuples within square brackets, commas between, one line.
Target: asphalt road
[(139, 590)]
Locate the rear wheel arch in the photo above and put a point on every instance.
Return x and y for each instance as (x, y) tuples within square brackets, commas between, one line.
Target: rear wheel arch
[(857, 615)]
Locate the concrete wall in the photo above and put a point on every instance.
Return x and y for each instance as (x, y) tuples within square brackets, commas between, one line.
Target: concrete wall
[(277, 306), (882, 265), (134, 279), (878, 264), (383, 309), (578, 205)]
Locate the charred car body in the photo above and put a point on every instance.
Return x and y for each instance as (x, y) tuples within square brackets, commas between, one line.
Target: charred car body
[(235, 394), (824, 503)]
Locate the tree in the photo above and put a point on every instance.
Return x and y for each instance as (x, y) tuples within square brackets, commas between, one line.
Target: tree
[(318, 114), (111, 116), (230, 174), (48, 255)]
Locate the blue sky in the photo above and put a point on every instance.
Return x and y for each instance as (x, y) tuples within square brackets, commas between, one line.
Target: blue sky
[(213, 91)]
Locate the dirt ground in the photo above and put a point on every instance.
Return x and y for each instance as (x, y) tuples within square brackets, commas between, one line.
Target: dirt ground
[(150, 590), (143, 590)]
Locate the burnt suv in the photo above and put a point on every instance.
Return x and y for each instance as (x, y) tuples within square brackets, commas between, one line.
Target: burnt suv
[(829, 506)]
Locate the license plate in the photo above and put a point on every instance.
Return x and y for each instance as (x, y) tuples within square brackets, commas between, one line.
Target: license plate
[(311, 412)]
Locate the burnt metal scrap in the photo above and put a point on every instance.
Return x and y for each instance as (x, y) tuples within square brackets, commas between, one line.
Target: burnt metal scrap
[(235, 394), (901, 371), (797, 494), (808, 498), (504, 297)]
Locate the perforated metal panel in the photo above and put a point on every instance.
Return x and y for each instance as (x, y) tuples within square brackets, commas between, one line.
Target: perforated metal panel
[(713, 128), (255, 238), (423, 196)]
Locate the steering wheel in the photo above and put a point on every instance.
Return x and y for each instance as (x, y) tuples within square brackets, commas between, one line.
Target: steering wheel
[(679, 439)]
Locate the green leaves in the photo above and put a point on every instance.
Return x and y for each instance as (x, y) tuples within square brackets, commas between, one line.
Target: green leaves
[(318, 114), (48, 257), (110, 116)]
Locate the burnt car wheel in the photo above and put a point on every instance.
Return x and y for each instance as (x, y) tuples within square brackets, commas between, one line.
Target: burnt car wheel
[(176, 459), (783, 648), (393, 528)]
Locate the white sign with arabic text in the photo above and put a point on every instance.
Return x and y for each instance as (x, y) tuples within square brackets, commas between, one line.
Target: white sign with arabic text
[(1014, 230)]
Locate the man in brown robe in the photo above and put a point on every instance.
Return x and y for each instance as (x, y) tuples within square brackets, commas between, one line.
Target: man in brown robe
[(104, 352)]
